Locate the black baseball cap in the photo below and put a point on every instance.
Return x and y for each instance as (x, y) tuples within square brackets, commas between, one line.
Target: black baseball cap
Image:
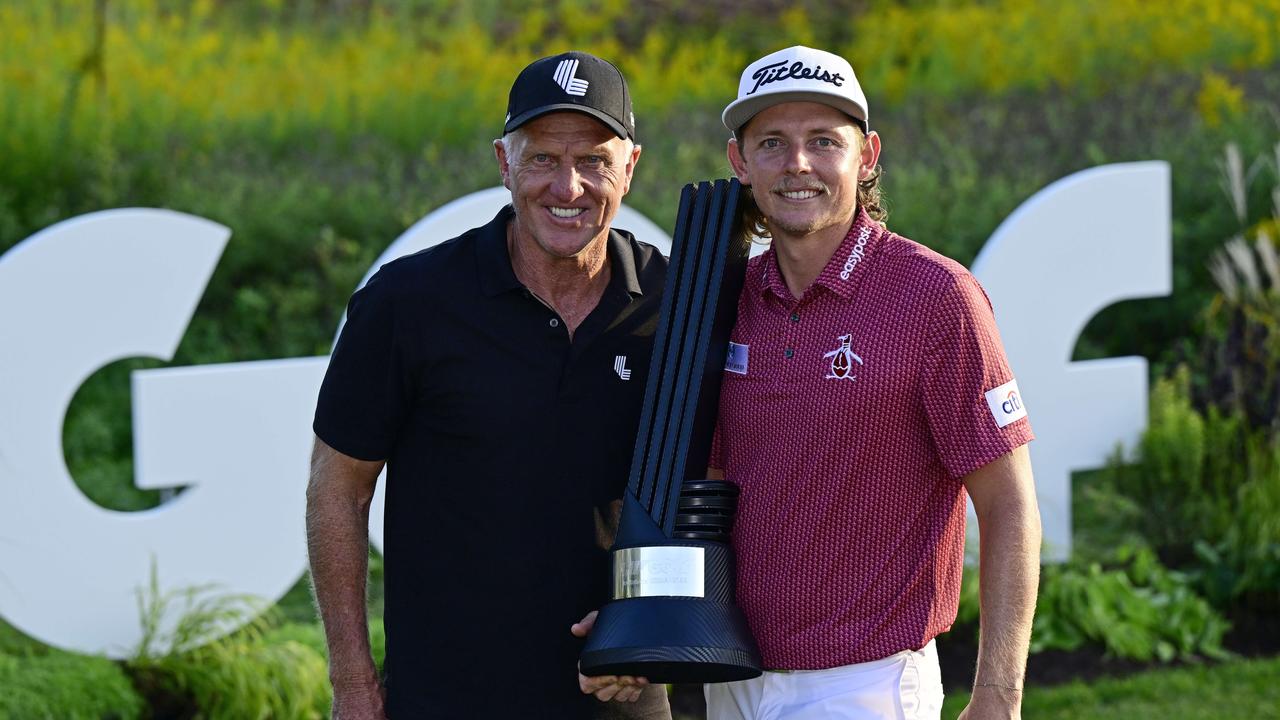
[(574, 81)]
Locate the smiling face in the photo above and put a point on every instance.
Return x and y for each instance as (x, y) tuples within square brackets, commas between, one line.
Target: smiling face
[(803, 162), (567, 174)]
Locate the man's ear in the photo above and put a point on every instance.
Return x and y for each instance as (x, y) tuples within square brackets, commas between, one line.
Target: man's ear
[(504, 166), (870, 155), (739, 165), (631, 167)]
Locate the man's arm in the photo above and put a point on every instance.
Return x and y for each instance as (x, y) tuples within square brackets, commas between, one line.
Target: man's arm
[(1004, 499), (338, 499)]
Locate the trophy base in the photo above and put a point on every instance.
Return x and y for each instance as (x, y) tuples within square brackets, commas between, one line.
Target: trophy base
[(671, 640)]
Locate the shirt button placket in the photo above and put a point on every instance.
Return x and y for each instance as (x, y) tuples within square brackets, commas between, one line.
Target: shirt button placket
[(793, 342)]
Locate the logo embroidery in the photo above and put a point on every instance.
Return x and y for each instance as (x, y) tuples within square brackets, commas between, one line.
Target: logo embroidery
[(564, 77), (1005, 403), (736, 359), (842, 360), (620, 367), (856, 255), (779, 71), (1011, 403)]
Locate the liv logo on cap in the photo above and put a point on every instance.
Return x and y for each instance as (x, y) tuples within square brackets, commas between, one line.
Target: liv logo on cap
[(564, 77), (797, 74), (571, 82)]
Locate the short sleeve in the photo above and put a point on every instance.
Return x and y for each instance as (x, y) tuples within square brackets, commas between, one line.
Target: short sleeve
[(366, 391), (964, 364)]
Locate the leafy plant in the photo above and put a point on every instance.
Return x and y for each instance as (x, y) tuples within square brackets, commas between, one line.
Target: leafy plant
[(1139, 610), (185, 660), (1240, 350), (183, 619), (1205, 487), (1208, 492)]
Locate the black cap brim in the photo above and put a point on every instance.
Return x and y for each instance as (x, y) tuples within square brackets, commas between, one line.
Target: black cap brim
[(535, 113)]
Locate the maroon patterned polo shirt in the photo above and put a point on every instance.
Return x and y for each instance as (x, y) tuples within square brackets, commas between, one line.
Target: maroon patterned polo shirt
[(849, 418)]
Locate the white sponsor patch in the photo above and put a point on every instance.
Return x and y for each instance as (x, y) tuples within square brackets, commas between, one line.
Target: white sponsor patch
[(736, 360), (1006, 403)]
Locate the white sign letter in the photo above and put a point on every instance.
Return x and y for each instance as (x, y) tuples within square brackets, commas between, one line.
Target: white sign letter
[(1085, 242)]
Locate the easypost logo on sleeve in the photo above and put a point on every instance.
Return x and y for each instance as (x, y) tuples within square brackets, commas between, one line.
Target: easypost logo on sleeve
[(1006, 403)]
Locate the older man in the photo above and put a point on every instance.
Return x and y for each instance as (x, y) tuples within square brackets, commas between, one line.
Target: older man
[(866, 390), (484, 373)]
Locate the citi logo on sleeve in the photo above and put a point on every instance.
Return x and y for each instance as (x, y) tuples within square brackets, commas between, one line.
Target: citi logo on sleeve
[(842, 360), (564, 77), (1005, 403)]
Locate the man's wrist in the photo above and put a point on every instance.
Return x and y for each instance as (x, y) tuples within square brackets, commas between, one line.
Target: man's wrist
[(1003, 700), (366, 679), (1011, 689)]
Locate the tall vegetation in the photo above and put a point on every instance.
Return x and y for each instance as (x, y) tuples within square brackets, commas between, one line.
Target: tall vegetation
[(1205, 487), (186, 658)]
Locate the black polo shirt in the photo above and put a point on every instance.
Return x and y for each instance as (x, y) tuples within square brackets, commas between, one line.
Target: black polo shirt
[(502, 438)]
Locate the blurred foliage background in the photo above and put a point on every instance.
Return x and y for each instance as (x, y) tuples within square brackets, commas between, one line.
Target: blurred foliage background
[(319, 130)]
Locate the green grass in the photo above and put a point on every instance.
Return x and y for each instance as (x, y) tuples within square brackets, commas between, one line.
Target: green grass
[(1242, 689), (65, 686)]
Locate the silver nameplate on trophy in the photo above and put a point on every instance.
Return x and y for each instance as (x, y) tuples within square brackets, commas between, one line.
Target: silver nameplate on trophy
[(661, 571)]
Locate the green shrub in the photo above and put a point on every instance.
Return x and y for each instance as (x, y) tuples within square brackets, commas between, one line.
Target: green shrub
[(1140, 610), (242, 676), (1207, 490), (1239, 356), (183, 661), (63, 686), (1131, 607), (1234, 570)]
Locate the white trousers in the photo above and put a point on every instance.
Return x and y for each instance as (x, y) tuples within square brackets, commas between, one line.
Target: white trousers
[(905, 686)]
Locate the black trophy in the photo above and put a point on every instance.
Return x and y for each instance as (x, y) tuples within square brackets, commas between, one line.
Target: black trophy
[(672, 617)]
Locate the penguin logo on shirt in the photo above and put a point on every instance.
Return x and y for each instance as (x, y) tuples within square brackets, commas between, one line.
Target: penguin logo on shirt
[(842, 360)]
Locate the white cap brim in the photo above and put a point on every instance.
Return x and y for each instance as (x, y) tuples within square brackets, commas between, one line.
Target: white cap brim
[(740, 111)]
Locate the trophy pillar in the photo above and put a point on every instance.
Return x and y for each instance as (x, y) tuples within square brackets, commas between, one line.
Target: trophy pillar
[(672, 617)]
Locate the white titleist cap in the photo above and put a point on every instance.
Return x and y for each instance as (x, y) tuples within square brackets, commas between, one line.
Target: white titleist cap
[(797, 74)]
